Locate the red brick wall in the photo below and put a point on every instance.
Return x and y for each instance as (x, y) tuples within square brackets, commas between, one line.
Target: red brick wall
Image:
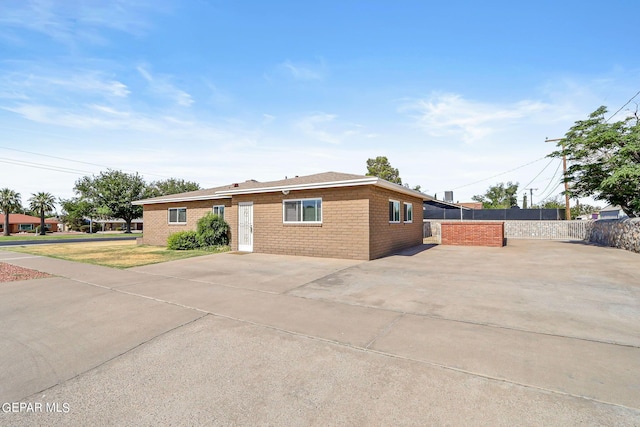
[(474, 233), (387, 238)]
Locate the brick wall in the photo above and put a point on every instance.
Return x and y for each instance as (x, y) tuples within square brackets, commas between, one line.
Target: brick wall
[(476, 233), (387, 238), (344, 232), (156, 218), (348, 229)]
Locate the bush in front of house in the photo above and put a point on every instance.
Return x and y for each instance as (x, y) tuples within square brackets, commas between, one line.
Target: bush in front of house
[(88, 228), (212, 234), (183, 241), (212, 231)]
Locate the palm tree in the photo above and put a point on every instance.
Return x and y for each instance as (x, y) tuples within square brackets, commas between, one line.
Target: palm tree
[(9, 201), (43, 202)]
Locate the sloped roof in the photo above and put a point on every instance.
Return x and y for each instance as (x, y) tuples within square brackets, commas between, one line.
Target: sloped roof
[(16, 218), (320, 180)]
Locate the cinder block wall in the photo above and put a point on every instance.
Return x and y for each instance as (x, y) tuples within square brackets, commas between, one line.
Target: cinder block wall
[(387, 238), (344, 232), (476, 233), (156, 218)]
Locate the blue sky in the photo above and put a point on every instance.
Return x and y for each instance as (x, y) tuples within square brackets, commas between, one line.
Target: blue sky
[(455, 94)]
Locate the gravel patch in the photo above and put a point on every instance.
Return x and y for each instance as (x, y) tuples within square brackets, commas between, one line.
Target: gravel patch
[(12, 273)]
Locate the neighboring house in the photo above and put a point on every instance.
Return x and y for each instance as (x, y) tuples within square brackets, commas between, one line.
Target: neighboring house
[(612, 212), (329, 214), (472, 205), (117, 224), (56, 224), (23, 223)]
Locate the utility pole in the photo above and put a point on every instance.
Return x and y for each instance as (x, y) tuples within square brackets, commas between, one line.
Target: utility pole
[(567, 206), (531, 193)]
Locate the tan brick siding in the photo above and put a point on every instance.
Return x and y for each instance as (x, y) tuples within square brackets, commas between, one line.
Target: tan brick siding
[(344, 232), (156, 218), (355, 223), (387, 238), (473, 233)]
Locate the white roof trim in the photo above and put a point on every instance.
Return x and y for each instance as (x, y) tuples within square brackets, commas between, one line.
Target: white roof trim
[(311, 186), (179, 199), (401, 189)]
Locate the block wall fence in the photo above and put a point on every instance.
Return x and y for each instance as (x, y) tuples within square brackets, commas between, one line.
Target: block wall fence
[(619, 233)]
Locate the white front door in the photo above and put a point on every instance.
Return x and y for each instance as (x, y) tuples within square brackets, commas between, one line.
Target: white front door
[(245, 226)]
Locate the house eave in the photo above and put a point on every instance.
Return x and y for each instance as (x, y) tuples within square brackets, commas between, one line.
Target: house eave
[(296, 187), (179, 199)]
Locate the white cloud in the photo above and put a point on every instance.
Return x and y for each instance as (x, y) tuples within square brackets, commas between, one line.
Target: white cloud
[(76, 21), (33, 84), (452, 115), (162, 86), (304, 72), (327, 128)]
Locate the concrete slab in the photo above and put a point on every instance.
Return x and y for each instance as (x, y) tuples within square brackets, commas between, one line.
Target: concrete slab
[(346, 324), (53, 329), (262, 272), (339, 350), (228, 373), (605, 372), (558, 288)]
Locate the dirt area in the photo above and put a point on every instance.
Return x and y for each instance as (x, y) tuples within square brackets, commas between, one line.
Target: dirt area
[(12, 273)]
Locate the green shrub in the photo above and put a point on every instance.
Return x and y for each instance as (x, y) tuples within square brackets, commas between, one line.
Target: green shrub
[(183, 241), (212, 231), (94, 229)]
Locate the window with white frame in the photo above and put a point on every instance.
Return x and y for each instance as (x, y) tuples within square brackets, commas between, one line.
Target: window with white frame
[(219, 210), (25, 227), (303, 210), (177, 215), (394, 211), (408, 212)]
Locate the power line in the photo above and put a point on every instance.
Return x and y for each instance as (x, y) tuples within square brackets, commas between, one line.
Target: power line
[(75, 161), (549, 184), (620, 109), (539, 173), (44, 166), (500, 174)]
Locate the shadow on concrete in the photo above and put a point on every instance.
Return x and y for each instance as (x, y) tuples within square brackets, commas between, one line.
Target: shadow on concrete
[(416, 249)]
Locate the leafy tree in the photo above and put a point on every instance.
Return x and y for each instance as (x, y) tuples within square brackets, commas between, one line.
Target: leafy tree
[(381, 168), (74, 212), (112, 192), (171, 186), (583, 209), (552, 203), (42, 203), (9, 202), (604, 160), (499, 196)]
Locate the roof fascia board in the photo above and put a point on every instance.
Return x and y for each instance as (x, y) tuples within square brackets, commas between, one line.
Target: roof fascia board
[(294, 187), (180, 199), (399, 188)]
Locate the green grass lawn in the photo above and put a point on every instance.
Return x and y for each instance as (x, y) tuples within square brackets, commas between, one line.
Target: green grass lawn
[(123, 254), (55, 236)]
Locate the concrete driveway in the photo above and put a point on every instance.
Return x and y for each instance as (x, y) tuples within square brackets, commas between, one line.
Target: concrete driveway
[(536, 333)]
